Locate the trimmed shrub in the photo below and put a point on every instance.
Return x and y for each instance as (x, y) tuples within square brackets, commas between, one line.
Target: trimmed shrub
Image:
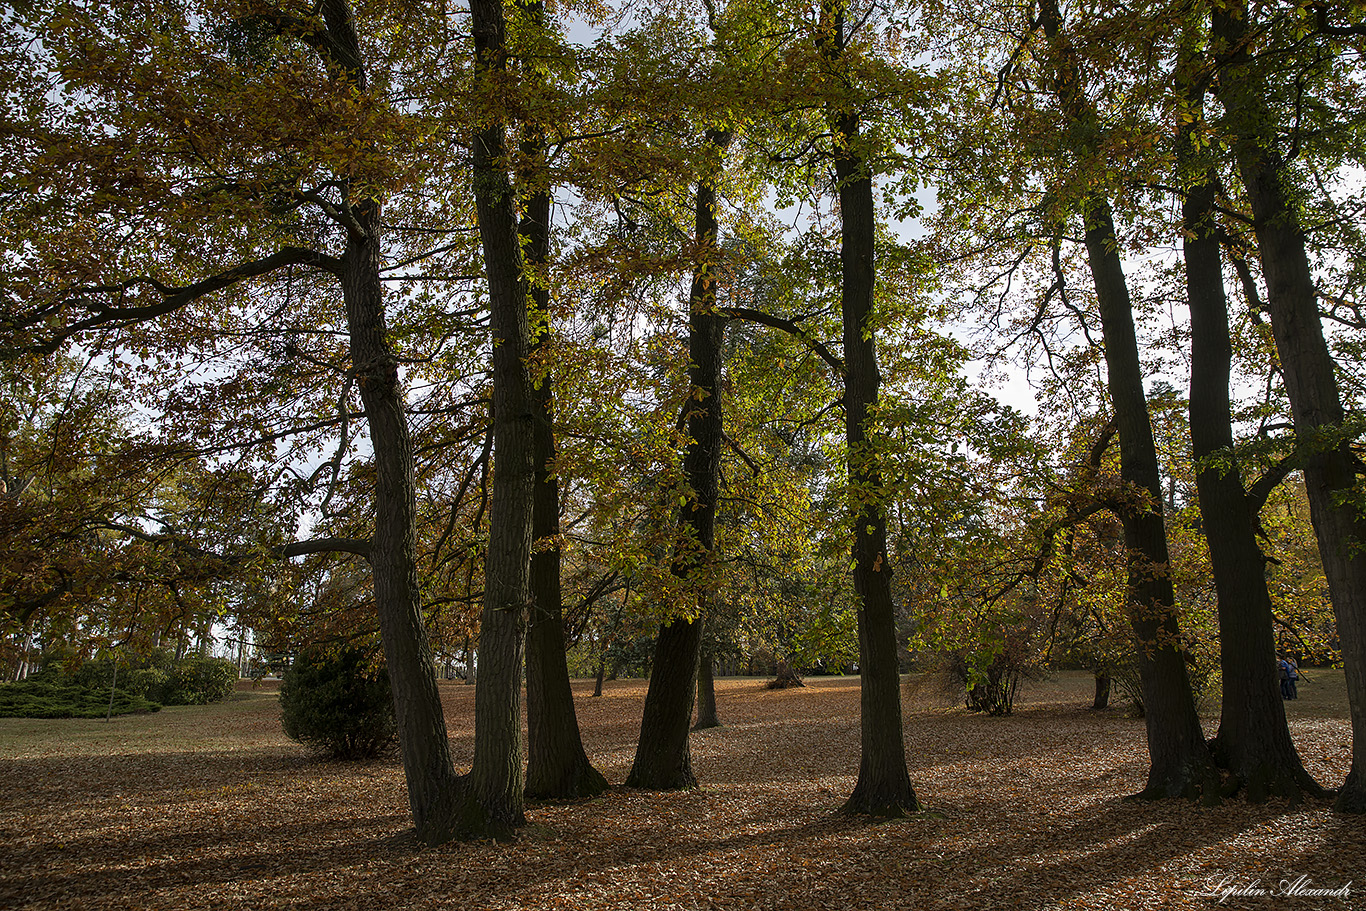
[(53, 696), (338, 703)]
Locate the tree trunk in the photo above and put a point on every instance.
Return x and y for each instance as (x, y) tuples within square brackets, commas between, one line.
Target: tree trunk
[(1253, 742), (1307, 364), (393, 557), (494, 802), (784, 678), (1180, 761), (706, 695), (1102, 697), (557, 766), (428, 769), (662, 760), (1181, 764), (884, 784)]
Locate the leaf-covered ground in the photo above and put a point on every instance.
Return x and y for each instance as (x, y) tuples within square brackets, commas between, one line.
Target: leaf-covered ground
[(211, 807)]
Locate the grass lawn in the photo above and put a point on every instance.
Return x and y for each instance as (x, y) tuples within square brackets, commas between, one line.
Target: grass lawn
[(212, 807)]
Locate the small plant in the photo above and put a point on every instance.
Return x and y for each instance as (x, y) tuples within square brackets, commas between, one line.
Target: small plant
[(338, 703)]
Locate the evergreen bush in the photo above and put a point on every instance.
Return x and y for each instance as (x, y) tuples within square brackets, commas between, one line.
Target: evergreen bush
[(54, 696), (338, 703)]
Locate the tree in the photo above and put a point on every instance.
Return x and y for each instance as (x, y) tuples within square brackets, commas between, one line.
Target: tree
[(662, 758), (1322, 437), (884, 786), (494, 803), (1180, 762), (557, 765), (206, 113), (1253, 742)]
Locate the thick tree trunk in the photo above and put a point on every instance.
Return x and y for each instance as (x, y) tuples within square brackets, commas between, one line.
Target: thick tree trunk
[(494, 803), (1253, 742), (423, 745), (662, 759), (393, 557), (1180, 761), (1102, 696), (1307, 364), (557, 766), (706, 695), (884, 784)]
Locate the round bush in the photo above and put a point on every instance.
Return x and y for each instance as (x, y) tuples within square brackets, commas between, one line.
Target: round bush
[(337, 703), (147, 682), (197, 681)]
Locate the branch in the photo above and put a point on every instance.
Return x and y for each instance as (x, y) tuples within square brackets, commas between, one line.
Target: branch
[(791, 328), (1336, 31), (172, 298), (1258, 492), (358, 546), (744, 456)]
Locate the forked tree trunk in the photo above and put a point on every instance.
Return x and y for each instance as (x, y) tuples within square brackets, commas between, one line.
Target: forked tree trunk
[(1308, 367), (1180, 761), (557, 766), (884, 783), (1253, 742), (662, 759)]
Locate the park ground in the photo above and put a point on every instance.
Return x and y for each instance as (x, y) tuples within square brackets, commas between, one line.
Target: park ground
[(212, 807)]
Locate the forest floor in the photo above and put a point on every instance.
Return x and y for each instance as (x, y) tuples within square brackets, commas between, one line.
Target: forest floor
[(212, 807)]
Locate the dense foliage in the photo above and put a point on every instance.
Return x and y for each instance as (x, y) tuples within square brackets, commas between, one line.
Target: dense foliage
[(337, 702), (57, 696)]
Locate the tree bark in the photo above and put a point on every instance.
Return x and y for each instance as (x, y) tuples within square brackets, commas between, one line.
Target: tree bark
[(1180, 761), (884, 784), (662, 759), (1253, 742), (557, 766), (1306, 362), (706, 695), (425, 750), (494, 802)]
